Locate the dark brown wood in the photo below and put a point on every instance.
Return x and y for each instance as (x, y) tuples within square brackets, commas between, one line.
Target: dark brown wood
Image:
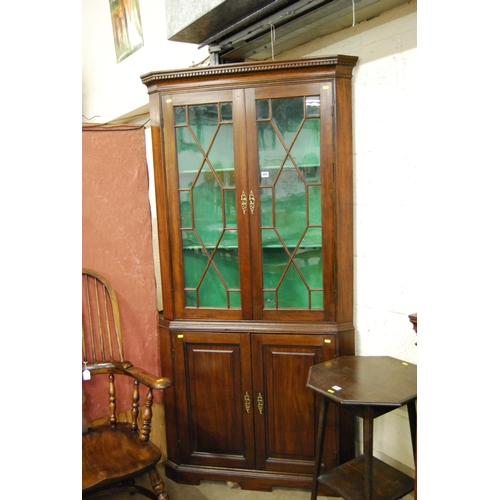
[(412, 418), (157, 484), (116, 452), (413, 320), (368, 452), (239, 74), (369, 386), (159, 152), (229, 353), (113, 454), (322, 460), (365, 380), (135, 406), (343, 188), (241, 84), (112, 400), (280, 367), (262, 327), (348, 480), (249, 479), (148, 415), (121, 451), (213, 375), (101, 329)]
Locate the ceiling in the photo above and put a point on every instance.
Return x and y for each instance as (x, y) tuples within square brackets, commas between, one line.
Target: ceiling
[(237, 30)]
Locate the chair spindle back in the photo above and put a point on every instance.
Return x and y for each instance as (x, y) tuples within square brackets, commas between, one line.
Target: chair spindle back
[(101, 331)]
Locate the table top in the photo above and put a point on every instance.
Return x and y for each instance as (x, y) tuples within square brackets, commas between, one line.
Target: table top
[(365, 380)]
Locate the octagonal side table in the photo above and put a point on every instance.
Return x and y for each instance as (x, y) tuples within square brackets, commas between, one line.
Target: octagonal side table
[(368, 386)]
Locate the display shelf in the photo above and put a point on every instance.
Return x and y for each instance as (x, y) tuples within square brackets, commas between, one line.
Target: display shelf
[(348, 480), (300, 166)]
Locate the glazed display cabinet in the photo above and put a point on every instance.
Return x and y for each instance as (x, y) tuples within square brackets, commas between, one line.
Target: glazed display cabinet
[(253, 181)]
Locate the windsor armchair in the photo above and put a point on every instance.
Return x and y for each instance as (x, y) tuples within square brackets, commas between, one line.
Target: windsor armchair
[(115, 453)]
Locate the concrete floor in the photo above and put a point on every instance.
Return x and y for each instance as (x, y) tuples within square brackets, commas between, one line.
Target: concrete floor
[(215, 490)]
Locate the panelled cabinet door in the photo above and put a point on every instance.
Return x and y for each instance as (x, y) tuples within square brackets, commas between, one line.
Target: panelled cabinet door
[(205, 181), (287, 411), (214, 399)]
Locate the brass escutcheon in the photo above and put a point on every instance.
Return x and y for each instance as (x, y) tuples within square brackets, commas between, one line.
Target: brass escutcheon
[(247, 402), (243, 202), (251, 197), (260, 403)]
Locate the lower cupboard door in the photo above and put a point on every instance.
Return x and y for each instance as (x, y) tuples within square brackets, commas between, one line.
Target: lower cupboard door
[(214, 394), (287, 415)]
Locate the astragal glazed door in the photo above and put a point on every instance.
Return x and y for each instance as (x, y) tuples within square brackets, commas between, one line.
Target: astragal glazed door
[(246, 192), (205, 181), (288, 174)]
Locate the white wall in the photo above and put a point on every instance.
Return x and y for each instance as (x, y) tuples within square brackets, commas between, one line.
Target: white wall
[(385, 164), (385, 168), (111, 90)]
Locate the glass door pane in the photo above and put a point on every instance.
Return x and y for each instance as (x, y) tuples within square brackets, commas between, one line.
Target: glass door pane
[(290, 197), (207, 197)]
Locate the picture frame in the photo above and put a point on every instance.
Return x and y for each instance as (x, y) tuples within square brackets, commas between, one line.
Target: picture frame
[(127, 27)]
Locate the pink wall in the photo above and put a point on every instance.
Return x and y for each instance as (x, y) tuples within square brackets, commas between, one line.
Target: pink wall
[(117, 241)]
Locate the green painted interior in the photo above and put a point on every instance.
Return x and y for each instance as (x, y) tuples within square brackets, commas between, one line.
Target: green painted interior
[(288, 132)]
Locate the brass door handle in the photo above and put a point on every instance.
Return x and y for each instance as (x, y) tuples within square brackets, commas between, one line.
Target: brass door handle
[(251, 197), (260, 403), (243, 199), (244, 202), (247, 402)]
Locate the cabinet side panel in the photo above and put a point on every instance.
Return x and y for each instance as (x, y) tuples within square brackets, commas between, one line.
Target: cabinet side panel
[(169, 395), (344, 199), (161, 203), (328, 200)]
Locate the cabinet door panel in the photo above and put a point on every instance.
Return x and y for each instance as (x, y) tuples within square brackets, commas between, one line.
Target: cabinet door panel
[(288, 163), (286, 428), (205, 180), (213, 388)]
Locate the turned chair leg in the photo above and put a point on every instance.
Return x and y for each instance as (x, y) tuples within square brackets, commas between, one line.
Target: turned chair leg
[(157, 484)]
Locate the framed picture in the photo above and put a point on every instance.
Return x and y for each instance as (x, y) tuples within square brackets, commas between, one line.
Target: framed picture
[(127, 27)]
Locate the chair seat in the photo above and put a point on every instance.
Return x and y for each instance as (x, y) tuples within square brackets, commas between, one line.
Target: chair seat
[(111, 455)]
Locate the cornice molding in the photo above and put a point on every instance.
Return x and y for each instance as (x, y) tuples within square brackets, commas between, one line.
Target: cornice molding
[(248, 67)]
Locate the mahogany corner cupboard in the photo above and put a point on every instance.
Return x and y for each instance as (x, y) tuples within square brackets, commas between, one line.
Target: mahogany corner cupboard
[(254, 190)]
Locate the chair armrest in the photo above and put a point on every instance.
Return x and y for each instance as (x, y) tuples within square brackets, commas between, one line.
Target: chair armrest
[(149, 379), (107, 366), (126, 368)]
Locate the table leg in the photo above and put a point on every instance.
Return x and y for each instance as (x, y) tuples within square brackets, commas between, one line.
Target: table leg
[(412, 417), (323, 413), (368, 450)]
